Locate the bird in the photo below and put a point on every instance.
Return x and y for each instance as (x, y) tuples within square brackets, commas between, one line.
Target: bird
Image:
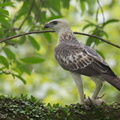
[(80, 59)]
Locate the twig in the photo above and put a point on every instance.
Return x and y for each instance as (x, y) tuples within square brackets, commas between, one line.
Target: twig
[(32, 32), (5, 72), (98, 38), (101, 96), (32, 5), (101, 10), (35, 32)]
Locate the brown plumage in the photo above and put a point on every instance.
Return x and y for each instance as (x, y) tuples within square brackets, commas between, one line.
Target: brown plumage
[(75, 58)]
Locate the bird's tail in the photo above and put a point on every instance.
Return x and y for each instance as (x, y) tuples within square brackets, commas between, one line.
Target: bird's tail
[(113, 80)]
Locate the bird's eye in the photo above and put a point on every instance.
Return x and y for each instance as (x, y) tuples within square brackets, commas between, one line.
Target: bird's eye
[(55, 22)]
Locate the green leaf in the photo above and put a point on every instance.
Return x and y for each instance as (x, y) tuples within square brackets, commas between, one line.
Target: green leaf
[(2, 11), (18, 76), (32, 60), (22, 68), (23, 11), (34, 43), (66, 3), (103, 33), (54, 4), (100, 53), (54, 17), (33, 99), (4, 61), (4, 22), (89, 22), (89, 41), (110, 21), (43, 15), (9, 53), (96, 32), (82, 5), (48, 37), (6, 4), (88, 25), (22, 40), (90, 4)]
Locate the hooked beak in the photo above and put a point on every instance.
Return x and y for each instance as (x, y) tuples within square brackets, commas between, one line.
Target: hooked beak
[(46, 25)]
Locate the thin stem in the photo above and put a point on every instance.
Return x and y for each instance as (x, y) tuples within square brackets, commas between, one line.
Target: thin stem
[(101, 10), (32, 5)]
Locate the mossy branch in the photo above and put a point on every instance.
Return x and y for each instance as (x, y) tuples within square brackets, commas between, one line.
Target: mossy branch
[(23, 108)]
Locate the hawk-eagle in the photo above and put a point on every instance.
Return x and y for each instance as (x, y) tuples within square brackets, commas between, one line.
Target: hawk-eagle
[(80, 59)]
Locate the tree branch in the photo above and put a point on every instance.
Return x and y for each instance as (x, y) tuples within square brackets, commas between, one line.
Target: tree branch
[(10, 109), (35, 32), (98, 38)]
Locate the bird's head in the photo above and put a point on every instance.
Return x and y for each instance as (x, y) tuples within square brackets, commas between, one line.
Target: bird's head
[(57, 25)]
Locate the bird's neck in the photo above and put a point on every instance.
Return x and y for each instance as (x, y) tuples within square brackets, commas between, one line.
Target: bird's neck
[(66, 36)]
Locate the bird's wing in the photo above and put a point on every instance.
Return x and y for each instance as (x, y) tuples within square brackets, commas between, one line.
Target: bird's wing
[(81, 59), (94, 54)]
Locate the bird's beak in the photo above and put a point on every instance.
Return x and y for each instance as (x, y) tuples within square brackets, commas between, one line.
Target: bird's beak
[(46, 25)]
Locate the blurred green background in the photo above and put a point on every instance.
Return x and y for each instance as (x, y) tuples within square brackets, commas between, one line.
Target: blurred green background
[(30, 59)]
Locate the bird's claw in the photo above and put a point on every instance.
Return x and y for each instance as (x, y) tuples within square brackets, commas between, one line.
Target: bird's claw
[(101, 96), (93, 102), (89, 102)]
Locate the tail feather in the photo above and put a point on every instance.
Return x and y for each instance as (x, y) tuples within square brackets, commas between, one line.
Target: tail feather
[(113, 80)]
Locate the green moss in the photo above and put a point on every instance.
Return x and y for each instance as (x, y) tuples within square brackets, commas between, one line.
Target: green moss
[(23, 108)]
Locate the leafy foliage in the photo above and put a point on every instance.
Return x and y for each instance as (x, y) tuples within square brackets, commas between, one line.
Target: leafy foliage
[(32, 13), (98, 30), (32, 109)]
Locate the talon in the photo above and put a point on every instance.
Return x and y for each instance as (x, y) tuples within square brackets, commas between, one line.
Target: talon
[(101, 96), (84, 96), (93, 102), (88, 102)]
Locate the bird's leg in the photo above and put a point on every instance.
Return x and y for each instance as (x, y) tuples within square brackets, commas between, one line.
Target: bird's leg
[(94, 100), (99, 84), (79, 84)]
